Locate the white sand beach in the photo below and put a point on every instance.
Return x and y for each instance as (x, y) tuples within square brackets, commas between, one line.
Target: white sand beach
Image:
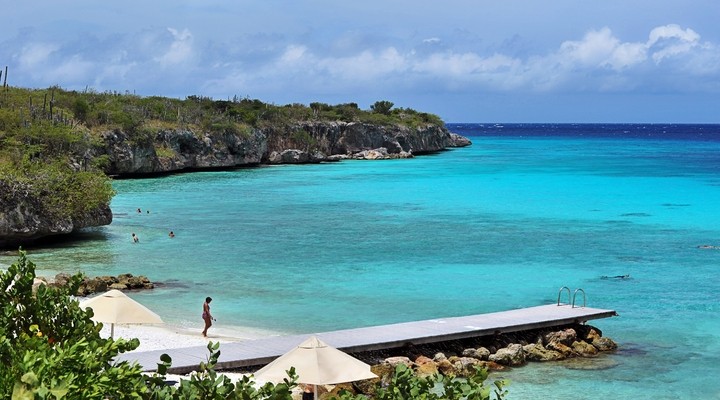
[(166, 336)]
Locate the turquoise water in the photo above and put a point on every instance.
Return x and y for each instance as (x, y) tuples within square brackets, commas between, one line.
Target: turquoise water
[(499, 225)]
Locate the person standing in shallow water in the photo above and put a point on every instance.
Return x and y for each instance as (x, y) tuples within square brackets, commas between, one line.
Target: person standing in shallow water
[(207, 317)]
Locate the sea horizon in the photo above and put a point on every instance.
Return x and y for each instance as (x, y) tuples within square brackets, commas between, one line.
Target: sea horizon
[(502, 224)]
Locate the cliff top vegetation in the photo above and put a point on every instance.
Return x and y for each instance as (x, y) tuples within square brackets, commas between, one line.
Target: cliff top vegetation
[(54, 123)]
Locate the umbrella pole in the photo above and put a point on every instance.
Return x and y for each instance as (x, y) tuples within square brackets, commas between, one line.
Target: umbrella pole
[(315, 388), (112, 330)]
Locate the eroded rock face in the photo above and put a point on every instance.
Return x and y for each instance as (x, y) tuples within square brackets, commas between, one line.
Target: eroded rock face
[(301, 143), (176, 150), (24, 218)]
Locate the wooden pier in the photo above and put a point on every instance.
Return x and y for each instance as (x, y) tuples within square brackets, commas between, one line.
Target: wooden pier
[(250, 353)]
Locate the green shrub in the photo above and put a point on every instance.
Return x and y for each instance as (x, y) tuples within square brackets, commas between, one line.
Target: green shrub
[(382, 107), (49, 347), (405, 385)]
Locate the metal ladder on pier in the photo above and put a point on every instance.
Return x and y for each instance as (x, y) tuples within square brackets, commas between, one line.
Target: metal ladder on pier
[(574, 296)]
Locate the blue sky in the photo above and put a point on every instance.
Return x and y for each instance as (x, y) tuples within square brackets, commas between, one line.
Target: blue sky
[(466, 61)]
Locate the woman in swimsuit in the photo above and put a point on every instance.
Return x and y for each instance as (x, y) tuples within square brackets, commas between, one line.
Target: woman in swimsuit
[(206, 316)]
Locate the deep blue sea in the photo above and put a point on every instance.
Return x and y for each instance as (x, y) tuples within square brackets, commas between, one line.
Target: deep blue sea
[(502, 224)]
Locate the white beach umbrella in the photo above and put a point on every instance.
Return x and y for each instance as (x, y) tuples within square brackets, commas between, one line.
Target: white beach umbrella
[(114, 307), (316, 363)]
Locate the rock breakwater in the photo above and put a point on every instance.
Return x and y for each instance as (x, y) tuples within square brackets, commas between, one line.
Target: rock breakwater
[(99, 284), (495, 353)]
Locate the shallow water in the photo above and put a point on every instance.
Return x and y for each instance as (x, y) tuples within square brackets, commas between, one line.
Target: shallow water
[(499, 225)]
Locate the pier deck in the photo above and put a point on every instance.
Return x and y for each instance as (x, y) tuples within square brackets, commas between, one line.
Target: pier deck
[(259, 352)]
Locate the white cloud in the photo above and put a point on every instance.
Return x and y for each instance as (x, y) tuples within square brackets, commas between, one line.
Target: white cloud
[(33, 55), (667, 58), (671, 40), (599, 61), (179, 51), (626, 55), (496, 71), (366, 65), (293, 54), (73, 69), (601, 49)]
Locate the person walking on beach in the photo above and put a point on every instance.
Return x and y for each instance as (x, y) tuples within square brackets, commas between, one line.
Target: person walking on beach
[(206, 316)]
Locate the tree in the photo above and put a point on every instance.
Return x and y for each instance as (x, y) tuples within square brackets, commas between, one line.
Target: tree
[(382, 107)]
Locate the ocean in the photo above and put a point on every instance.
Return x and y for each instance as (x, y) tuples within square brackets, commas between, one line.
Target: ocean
[(502, 224)]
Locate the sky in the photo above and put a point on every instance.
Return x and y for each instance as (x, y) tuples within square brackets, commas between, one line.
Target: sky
[(645, 61)]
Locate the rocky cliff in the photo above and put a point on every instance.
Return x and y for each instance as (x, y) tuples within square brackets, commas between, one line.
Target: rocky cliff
[(306, 142)]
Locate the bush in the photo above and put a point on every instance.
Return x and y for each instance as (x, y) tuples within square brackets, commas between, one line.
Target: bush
[(49, 347), (404, 384)]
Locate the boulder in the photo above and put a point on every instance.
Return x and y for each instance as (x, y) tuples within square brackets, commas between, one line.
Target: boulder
[(592, 335), (384, 372), (458, 141), (481, 353), (92, 285), (439, 357), (584, 349), (538, 352), (394, 361), (492, 366), (446, 367), (565, 336), (373, 154), (118, 286), (62, 279), (135, 282), (604, 344), (513, 355), (109, 280), (424, 366), (465, 366), (563, 349)]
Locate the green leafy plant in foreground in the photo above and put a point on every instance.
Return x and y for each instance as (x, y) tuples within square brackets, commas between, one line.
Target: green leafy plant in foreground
[(405, 385), (208, 384), (49, 347)]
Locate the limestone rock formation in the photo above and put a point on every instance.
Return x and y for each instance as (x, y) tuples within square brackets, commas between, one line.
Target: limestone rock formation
[(25, 218), (299, 143)]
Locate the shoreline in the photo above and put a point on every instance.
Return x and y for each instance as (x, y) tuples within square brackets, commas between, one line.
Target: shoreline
[(169, 336)]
